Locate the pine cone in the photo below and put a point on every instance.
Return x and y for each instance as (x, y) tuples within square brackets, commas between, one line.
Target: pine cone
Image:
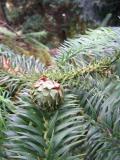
[(47, 94)]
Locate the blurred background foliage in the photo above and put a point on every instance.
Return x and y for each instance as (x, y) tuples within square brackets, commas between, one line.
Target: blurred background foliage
[(59, 19)]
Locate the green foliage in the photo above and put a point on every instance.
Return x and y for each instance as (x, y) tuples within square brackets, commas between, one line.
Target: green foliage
[(102, 106), (6, 106), (92, 46), (33, 134), (25, 63), (36, 35), (86, 125)]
